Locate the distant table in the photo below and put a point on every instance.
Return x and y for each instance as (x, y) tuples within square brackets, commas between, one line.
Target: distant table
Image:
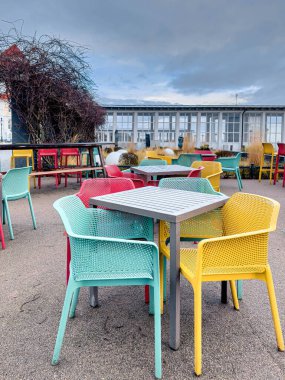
[(162, 170), (173, 206)]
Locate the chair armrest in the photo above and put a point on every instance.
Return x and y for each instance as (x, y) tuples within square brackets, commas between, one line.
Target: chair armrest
[(215, 174), (248, 250)]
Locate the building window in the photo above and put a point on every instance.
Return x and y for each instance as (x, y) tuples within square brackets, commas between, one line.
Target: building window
[(251, 127), (231, 127), (209, 129), (274, 124), (188, 125), (166, 127), (125, 127), (145, 126), (105, 132)]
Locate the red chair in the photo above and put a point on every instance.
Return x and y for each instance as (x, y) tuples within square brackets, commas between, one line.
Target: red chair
[(114, 172), (47, 153), (65, 153), (196, 172), (281, 152)]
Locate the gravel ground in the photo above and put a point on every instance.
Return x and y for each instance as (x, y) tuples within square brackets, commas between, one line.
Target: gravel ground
[(115, 341)]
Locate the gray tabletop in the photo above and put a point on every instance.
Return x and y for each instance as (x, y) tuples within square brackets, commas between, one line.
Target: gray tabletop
[(164, 170), (160, 203)]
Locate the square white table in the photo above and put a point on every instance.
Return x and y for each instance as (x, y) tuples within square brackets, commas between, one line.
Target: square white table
[(162, 170), (173, 206)]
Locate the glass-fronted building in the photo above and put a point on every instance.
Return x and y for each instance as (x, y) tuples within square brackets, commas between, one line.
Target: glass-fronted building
[(220, 127)]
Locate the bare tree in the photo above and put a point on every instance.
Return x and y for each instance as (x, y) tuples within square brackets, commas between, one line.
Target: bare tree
[(47, 81)]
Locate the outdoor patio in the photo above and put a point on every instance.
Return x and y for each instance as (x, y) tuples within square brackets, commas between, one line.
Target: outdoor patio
[(115, 341)]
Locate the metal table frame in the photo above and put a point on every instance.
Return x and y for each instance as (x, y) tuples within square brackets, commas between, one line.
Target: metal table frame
[(173, 206)]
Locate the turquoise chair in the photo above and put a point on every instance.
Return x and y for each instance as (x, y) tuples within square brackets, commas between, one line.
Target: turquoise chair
[(85, 156), (204, 226), (231, 164), (103, 261), (15, 185), (186, 159)]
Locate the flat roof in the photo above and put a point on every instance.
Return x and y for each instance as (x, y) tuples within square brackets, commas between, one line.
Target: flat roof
[(195, 107)]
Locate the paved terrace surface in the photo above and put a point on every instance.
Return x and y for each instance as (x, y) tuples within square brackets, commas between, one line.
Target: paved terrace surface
[(115, 341)]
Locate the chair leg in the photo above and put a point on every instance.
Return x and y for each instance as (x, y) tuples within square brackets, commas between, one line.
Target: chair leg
[(157, 331), (32, 211), (271, 169), (234, 294), (62, 324), (198, 328), (274, 309), (146, 294), (161, 277), (9, 220), (2, 236), (3, 213), (151, 300), (239, 289), (164, 279), (74, 303)]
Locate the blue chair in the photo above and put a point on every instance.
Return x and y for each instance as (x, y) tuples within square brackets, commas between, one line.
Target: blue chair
[(103, 261), (15, 185), (231, 164)]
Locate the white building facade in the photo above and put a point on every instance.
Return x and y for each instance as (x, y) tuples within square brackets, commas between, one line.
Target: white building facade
[(219, 127)]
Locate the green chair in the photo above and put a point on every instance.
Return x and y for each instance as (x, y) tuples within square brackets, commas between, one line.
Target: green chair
[(194, 229), (151, 162), (186, 159), (15, 185), (86, 157), (103, 261), (231, 164)]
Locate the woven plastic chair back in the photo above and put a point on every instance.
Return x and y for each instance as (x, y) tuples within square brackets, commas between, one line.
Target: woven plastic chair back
[(101, 186), (15, 182), (100, 258), (268, 148), (187, 159), (195, 172), (152, 162), (281, 149), (243, 213), (230, 162), (210, 167), (113, 171), (201, 185)]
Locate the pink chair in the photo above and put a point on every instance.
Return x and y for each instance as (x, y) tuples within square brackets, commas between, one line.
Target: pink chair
[(65, 153), (281, 152), (47, 153), (114, 172), (196, 172)]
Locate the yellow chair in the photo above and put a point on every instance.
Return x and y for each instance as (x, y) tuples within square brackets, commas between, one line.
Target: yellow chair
[(24, 153), (268, 149), (212, 171), (153, 155), (241, 254)]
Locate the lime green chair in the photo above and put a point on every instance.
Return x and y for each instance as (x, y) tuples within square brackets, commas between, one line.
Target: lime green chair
[(105, 261), (15, 185)]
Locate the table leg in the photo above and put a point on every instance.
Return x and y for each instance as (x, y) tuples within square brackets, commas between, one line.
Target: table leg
[(174, 307), (224, 295), (93, 296)]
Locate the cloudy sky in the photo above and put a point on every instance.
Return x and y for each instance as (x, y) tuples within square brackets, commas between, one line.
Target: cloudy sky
[(169, 51)]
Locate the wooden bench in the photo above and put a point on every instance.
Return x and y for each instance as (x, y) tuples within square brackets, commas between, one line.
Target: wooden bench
[(65, 171)]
